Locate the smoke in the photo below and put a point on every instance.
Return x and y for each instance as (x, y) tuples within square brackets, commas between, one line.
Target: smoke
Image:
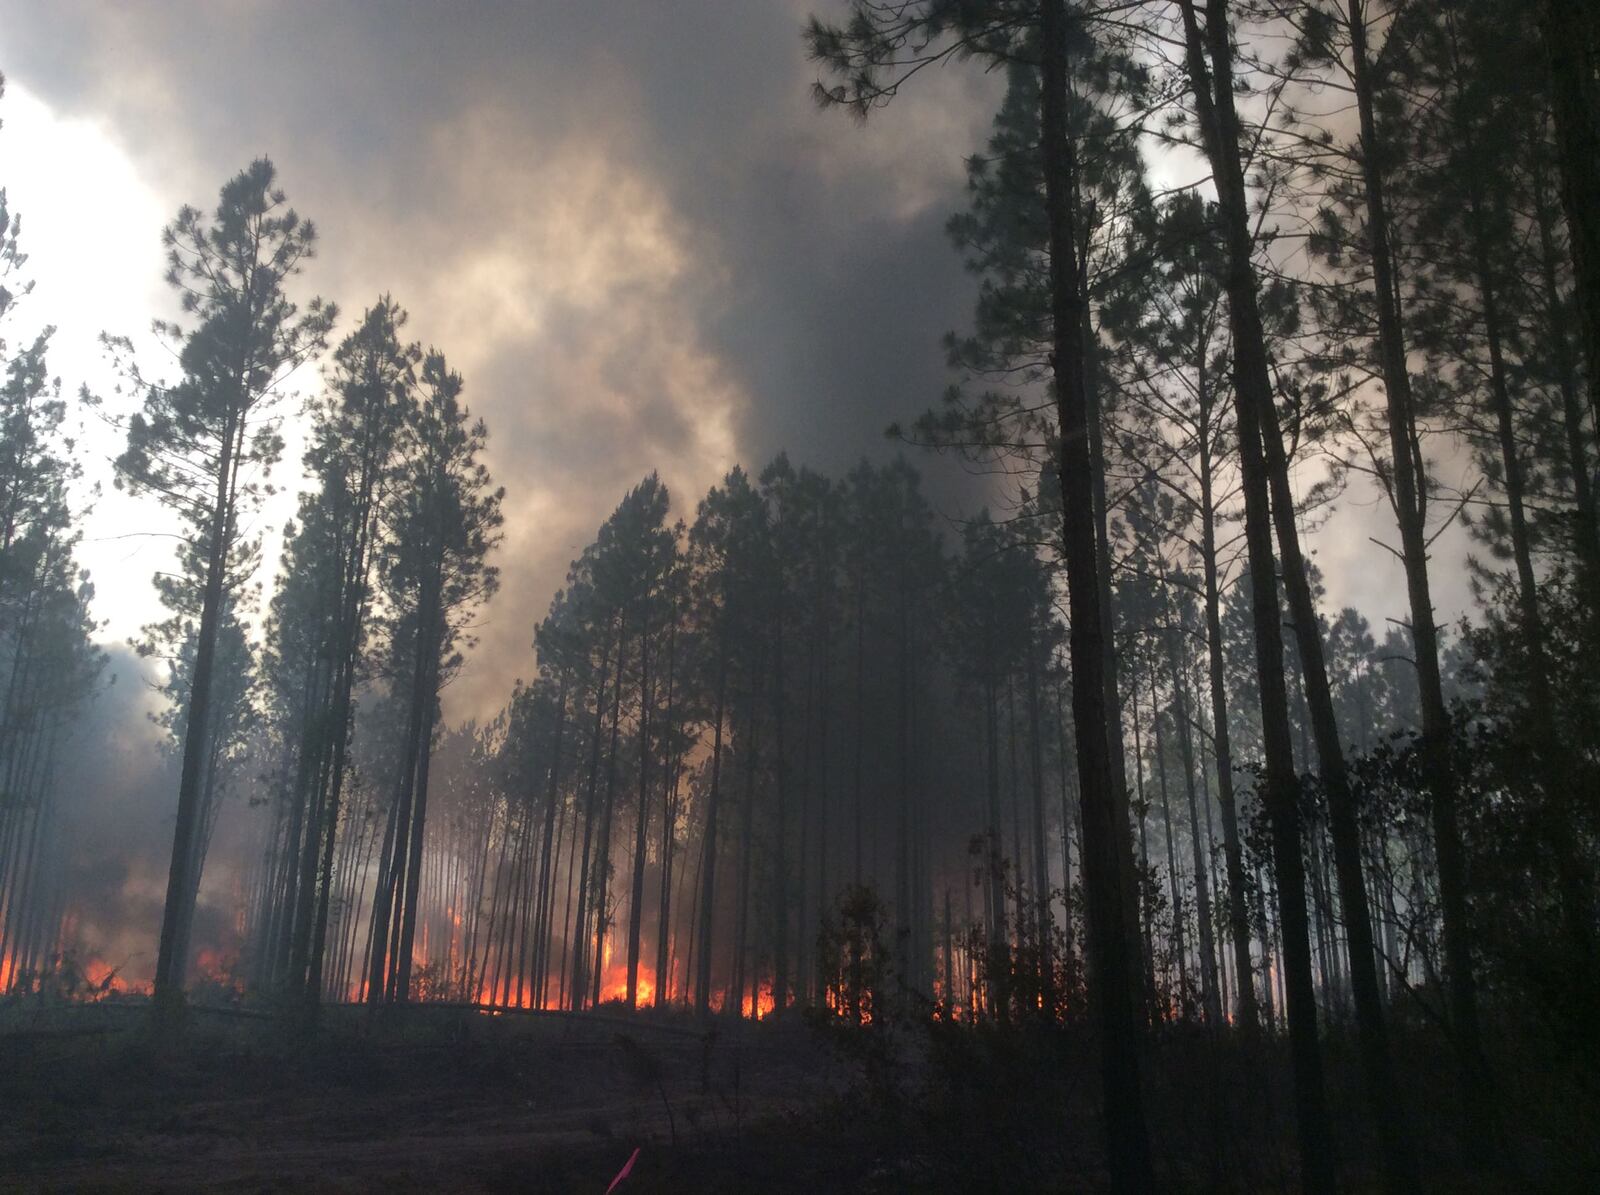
[(116, 801), (117, 795), (627, 225)]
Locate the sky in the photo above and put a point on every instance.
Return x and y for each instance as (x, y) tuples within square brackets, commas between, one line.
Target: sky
[(627, 224)]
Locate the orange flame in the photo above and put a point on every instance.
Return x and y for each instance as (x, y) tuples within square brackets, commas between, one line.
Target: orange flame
[(762, 1000), (760, 1003), (614, 987), (216, 966), (105, 979)]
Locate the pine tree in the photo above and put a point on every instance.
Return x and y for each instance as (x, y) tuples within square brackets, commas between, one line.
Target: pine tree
[(1572, 43), (321, 616), (1172, 363), (442, 520), (726, 542), (872, 52), (1209, 65), (197, 445)]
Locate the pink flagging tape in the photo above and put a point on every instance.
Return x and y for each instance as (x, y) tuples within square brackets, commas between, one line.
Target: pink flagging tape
[(627, 1169)]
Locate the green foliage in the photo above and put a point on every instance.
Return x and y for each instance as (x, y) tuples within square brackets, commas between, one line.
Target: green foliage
[(442, 517), (1533, 824), (191, 442), (203, 446)]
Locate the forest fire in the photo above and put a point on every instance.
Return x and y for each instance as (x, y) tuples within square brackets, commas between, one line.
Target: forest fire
[(760, 1003), (216, 968), (66, 974), (1215, 702), (614, 988), (753, 1005), (104, 979)]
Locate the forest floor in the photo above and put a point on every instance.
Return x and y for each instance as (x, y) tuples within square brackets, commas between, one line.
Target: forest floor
[(457, 1100)]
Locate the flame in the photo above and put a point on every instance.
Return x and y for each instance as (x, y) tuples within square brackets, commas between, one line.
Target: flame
[(213, 966), (760, 1003), (103, 980), (103, 977), (62, 975), (947, 1003), (614, 987), (763, 1002), (840, 1007)]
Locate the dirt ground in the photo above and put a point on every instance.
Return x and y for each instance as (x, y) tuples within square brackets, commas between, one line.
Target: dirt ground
[(443, 1099), (453, 1101)]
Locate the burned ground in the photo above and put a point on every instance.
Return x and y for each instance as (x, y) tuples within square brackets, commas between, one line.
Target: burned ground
[(455, 1099)]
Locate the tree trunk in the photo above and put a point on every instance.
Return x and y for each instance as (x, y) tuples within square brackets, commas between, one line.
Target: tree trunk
[(780, 854), (1180, 946), (741, 935), (1253, 400), (669, 817), (1587, 534), (1041, 866), (547, 890), (702, 989), (171, 962), (1112, 983), (1572, 41), (602, 854), (1202, 885), (419, 814), (1233, 853), (997, 998), (577, 941), (642, 822), (1410, 502), (1064, 755)]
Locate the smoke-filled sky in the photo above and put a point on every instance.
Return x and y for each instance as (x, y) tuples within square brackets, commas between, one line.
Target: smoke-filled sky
[(626, 223)]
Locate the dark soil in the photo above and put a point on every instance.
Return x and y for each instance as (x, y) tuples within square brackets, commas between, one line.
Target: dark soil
[(444, 1099)]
